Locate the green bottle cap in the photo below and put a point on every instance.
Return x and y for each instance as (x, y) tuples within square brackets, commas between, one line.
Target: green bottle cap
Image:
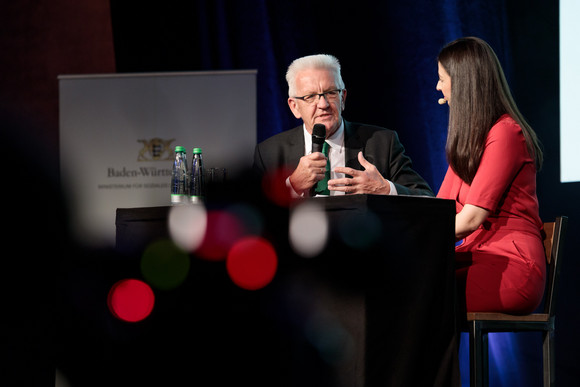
[(197, 151), (179, 148)]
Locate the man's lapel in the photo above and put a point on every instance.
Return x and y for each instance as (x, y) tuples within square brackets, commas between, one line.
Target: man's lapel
[(352, 145), (295, 146)]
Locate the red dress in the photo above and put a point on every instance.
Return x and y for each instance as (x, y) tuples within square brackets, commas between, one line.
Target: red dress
[(501, 265)]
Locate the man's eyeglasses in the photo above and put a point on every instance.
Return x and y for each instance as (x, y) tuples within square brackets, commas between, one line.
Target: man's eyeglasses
[(331, 95)]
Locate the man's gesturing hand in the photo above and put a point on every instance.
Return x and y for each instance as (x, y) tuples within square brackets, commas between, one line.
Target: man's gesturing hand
[(368, 181)]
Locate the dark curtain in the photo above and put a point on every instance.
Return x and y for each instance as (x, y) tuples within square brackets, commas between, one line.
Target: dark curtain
[(39, 40)]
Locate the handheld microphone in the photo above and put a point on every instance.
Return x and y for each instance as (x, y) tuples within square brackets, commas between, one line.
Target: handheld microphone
[(318, 137), (442, 101)]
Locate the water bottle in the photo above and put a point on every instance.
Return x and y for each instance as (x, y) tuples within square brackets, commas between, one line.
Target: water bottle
[(179, 178), (197, 183)]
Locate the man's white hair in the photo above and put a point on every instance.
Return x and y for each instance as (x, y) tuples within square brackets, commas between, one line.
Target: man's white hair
[(319, 61)]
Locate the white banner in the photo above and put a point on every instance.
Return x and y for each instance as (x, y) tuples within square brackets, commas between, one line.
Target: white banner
[(118, 133)]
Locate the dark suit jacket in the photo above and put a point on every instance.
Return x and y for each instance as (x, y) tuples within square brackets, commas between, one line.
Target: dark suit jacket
[(380, 147)]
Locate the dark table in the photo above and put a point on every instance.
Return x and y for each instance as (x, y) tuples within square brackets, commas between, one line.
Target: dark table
[(376, 308)]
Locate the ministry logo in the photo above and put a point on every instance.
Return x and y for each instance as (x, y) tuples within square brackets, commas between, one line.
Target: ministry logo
[(155, 149)]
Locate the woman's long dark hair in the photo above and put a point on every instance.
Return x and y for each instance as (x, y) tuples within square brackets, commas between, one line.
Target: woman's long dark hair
[(480, 95)]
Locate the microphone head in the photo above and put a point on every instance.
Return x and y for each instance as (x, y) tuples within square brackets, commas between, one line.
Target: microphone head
[(318, 134), (442, 101)]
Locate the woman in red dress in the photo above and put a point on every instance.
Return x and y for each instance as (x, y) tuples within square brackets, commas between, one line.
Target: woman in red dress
[(493, 157)]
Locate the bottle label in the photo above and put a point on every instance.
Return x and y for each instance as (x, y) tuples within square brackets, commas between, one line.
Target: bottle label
[(196, 199), (177, 199)]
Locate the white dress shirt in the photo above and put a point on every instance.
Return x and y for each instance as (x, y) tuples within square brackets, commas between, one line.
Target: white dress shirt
[(336, 155)]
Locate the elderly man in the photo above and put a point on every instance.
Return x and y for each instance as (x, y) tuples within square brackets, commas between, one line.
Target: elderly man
[(355, 159)]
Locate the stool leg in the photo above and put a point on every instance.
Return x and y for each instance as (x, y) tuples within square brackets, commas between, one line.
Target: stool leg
[(549, 362), (478, 355)]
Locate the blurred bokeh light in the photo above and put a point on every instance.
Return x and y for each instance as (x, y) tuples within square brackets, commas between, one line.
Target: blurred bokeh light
[(164, 265), (252, 263), (131, 300), (187, 225), (361, 231), (308, 232), (330, 338), (223, 230), (250, 217), (274, 187)]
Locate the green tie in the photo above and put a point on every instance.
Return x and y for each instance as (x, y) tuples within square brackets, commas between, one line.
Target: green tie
[(322, 185)]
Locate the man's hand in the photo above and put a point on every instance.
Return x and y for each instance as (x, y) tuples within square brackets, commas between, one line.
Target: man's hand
[(309, 171), (369, 181)]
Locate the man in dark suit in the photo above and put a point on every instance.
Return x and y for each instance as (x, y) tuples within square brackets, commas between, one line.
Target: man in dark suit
[(364, 159)]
